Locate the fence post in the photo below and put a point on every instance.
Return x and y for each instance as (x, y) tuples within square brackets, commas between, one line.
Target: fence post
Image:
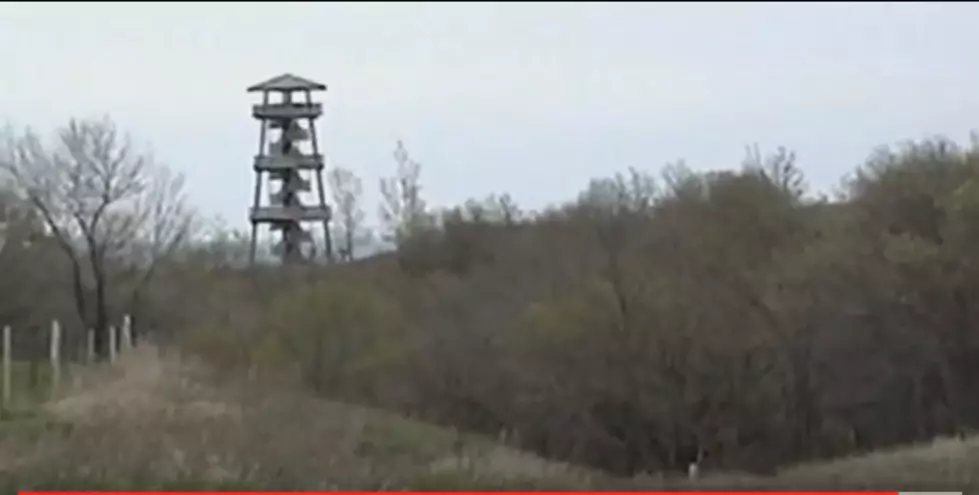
[(113, 346), (90, 346), (127, 334), (55, 354), (5, 370)]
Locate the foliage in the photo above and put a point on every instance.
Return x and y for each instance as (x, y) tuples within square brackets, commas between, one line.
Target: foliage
[(727, 317)]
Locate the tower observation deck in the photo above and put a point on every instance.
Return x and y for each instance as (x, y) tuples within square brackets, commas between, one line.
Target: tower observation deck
[(289, 159)]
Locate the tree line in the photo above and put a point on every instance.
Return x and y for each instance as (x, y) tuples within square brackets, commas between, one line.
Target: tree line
[(731, 316)]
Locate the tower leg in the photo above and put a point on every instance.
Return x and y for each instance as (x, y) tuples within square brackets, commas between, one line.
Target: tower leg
[(327, 238), (254, 244), (258, 183), (255, 204)]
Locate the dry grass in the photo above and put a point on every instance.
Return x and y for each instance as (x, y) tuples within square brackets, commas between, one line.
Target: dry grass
[(944, 464), (154, 422)]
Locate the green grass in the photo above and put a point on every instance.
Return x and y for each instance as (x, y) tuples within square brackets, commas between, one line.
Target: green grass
[(30, 385)]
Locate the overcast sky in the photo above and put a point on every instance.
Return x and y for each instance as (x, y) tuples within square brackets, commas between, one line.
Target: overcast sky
[(531, 99)]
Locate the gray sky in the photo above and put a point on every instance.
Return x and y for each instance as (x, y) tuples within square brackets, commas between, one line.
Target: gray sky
[(531, 99)]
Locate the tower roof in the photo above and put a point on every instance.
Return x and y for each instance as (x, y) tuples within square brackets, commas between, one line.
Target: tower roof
[(286, 82)]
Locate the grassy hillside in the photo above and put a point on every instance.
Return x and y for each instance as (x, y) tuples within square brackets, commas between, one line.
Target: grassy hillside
[(943, 464), (158, 423), (155, 423)]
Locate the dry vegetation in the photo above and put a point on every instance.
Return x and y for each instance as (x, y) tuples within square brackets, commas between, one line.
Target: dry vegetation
[(153, 421), (162, 422), (726, 316)]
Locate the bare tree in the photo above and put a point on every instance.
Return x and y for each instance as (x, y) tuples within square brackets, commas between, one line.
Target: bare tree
[(779, 168), (347, 191), (162, 222), (112, 211), (402, 210)]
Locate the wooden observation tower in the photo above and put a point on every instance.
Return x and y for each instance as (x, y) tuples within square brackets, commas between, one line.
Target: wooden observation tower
[(289, 159)]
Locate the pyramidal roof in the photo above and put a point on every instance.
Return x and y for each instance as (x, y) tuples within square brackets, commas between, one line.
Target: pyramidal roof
[(286, 82)]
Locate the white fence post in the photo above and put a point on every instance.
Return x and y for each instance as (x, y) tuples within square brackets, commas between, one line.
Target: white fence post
[(55, 354), (6, 394), (127, 333)]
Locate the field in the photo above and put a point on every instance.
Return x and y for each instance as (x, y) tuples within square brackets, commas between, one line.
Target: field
[(159, 423)]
